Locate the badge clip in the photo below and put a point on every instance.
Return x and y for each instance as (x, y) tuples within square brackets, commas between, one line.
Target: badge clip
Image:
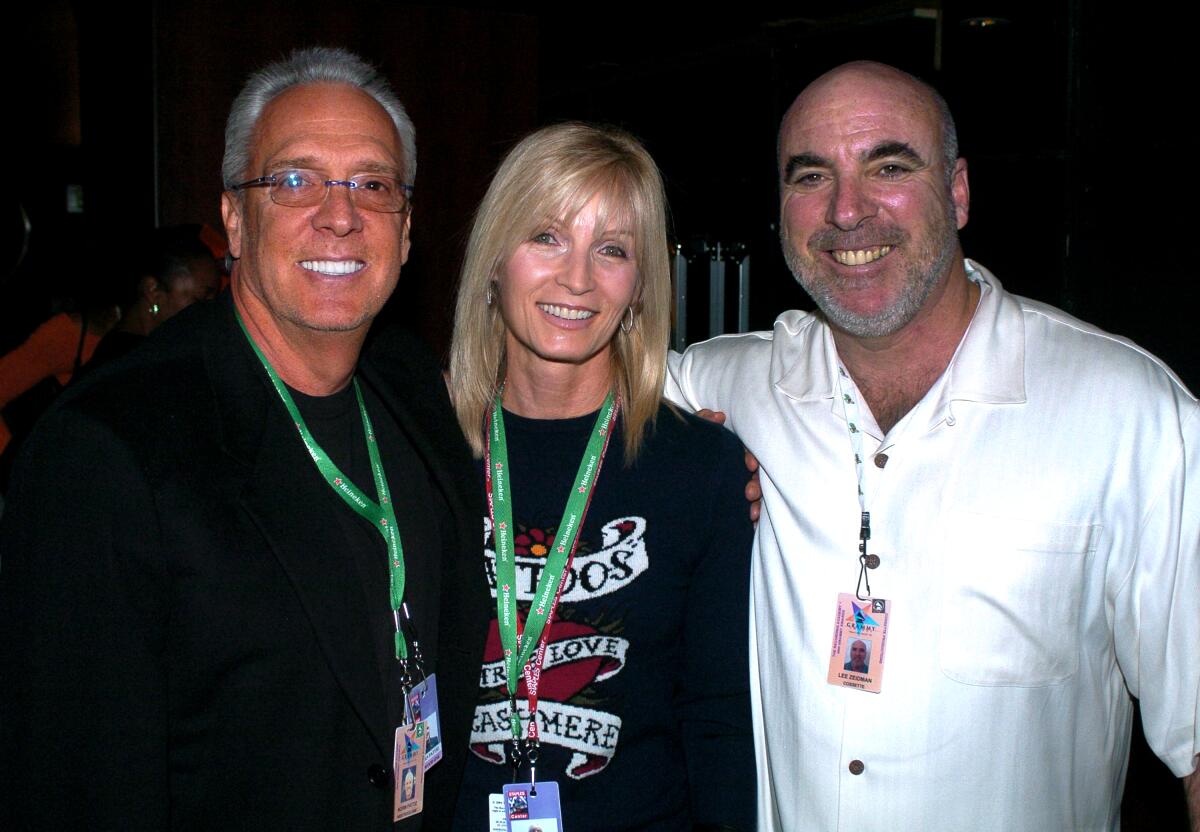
[(864, 534), (532, 754)]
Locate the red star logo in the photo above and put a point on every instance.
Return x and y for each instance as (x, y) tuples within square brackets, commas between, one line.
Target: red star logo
[(383, 521), (541, 610), (506, 587), (581, 489), (337, 481), (504, 525), (562, 548)]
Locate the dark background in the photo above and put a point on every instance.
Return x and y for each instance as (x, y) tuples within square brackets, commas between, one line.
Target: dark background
[(1070, 113)]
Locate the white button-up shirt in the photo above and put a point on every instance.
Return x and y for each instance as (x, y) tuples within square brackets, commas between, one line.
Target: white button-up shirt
[(1036, 520)]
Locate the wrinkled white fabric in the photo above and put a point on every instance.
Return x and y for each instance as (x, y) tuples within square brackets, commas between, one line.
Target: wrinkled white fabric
[(1037, 523)]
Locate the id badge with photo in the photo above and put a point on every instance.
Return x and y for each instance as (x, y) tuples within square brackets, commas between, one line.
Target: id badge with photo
[(408, 769), (858, 654), (422, 705)]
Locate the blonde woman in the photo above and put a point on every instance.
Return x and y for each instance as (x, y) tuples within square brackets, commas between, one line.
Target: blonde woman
[(617, 542)]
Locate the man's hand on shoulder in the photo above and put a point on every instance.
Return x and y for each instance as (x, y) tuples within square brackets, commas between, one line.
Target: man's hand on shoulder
[(753, 487)]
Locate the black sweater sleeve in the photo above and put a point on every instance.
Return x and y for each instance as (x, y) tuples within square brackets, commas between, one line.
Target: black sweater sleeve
[(714, 697)]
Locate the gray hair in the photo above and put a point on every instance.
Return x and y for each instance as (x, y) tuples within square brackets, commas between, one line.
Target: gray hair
[(316, 65), (949, 131)]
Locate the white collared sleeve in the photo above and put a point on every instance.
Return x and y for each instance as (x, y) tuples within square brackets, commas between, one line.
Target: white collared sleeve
[(677, 389), (1156, 610)]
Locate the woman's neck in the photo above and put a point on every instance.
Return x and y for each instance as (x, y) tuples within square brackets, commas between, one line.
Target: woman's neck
[(539, 389)]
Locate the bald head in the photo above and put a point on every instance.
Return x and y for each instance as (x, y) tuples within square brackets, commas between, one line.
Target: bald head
[(872, 195), (858, 655), (850, 78)]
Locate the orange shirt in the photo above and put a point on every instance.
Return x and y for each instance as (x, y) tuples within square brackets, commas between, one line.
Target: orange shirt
[(49, 351)]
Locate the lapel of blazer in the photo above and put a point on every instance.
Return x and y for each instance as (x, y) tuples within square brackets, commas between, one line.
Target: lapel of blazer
[(292, 507), (412, 388)]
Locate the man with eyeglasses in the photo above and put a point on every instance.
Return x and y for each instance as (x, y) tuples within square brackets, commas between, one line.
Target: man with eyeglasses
[(232, 562)]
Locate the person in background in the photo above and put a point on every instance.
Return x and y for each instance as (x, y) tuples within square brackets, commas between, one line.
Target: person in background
[(46, 362), (179, 270)]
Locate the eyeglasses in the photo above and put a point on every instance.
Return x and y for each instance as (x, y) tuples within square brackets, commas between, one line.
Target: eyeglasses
[(306, 188)]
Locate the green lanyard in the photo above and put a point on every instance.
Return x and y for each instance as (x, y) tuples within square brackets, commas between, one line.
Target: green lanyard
[(381, 515), (519, 647)]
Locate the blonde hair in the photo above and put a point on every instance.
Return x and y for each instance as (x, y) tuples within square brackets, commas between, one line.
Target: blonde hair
[(549, 177)]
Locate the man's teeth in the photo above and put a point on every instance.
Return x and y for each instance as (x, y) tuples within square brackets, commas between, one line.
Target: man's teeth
[(564, 312), (332, 266), (860, 257)]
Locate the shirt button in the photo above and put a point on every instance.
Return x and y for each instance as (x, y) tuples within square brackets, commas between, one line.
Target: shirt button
[(377, 776), (881, 460), (872, 561), (856, 767)]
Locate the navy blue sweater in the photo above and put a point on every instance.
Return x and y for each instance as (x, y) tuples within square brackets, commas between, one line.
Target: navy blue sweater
[(643, 708)]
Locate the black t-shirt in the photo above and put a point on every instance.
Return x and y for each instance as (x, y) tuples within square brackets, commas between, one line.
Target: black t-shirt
[(422, 515), (643, 707)]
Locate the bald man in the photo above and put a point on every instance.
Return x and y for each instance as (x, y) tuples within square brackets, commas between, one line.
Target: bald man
[(1002, 497), (857, 662)]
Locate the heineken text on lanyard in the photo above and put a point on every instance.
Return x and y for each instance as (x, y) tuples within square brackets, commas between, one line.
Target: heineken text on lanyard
[(381, 515), (524, 651)]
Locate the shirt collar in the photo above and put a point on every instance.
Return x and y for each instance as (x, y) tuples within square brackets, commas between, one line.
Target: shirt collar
[(804, 362), (989, 365)]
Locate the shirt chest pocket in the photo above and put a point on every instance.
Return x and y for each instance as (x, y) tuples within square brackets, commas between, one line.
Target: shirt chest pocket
[(1011, 597)]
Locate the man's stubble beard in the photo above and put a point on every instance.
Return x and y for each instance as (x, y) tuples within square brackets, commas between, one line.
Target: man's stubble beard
[(932, 263)]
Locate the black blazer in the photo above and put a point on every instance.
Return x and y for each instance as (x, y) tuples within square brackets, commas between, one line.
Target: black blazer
[(184, 644)]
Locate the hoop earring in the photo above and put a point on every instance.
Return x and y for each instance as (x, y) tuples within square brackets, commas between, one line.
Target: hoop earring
[(154, 309), (625, 327)]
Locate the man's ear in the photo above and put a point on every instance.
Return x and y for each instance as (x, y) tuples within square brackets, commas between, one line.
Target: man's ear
[(231, 215), (149, 289), (960, 192)]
